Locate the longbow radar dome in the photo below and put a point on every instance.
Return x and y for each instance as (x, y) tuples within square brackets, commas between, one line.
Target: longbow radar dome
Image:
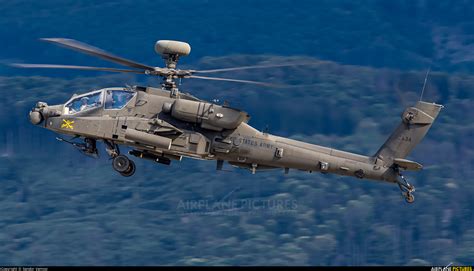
[(171, 47)]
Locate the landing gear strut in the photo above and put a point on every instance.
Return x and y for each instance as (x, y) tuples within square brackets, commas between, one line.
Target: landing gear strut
[(112, 149), (121, 163), (406, 188)]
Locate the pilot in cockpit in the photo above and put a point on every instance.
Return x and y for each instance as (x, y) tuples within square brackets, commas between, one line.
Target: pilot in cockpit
[(109, 99), (84, 105)]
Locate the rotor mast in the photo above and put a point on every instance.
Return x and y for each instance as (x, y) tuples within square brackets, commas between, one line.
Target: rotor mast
[(171, 51), (168, 80)]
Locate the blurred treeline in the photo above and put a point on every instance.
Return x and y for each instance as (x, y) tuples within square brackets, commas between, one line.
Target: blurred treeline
[(59, 207)]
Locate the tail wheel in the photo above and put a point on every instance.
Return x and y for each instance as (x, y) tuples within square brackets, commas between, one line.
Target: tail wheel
[(130, 171), (409, 198)]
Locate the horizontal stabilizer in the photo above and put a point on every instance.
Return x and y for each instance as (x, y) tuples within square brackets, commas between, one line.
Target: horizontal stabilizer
[(407, 164), (413, 115)]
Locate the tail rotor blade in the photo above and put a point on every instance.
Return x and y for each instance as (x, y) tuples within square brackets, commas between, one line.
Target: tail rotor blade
[(401, 97)]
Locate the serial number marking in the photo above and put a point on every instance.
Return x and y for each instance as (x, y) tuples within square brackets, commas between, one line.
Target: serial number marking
[(405, 138)]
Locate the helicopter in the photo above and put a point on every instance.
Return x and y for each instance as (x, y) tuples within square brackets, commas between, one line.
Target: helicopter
[(163, 124)]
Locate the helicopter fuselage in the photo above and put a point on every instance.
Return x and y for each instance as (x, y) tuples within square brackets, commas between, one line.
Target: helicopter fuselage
[(150, 123), (161, 127)]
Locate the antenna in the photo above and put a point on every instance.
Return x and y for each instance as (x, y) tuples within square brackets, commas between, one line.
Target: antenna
[(424, 84), (266, 129)]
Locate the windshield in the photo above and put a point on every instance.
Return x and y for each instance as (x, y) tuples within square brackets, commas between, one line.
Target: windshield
[(117, 99), (82, 103)]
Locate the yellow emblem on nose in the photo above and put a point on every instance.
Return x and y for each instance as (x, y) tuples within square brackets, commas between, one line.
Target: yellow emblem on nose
[(68, 124)]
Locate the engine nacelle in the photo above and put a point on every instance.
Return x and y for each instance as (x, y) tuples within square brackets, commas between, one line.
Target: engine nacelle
[(209, 116)]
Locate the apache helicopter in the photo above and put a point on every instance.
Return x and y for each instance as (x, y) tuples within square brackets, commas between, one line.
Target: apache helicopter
[(164, 124)]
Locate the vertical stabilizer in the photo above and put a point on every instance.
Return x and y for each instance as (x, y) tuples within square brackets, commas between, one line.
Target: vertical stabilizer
[(416, 121)]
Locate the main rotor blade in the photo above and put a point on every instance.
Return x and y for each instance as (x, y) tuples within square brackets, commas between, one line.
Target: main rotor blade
[(235, 80), (254, 67), (54, 66), (91, 50)]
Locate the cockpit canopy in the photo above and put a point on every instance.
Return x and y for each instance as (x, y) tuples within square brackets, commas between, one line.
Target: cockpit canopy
[(117, 99), (113, 98)]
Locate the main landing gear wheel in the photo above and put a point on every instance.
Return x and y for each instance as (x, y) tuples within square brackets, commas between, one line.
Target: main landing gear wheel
[(130, 171), (121, 163)]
